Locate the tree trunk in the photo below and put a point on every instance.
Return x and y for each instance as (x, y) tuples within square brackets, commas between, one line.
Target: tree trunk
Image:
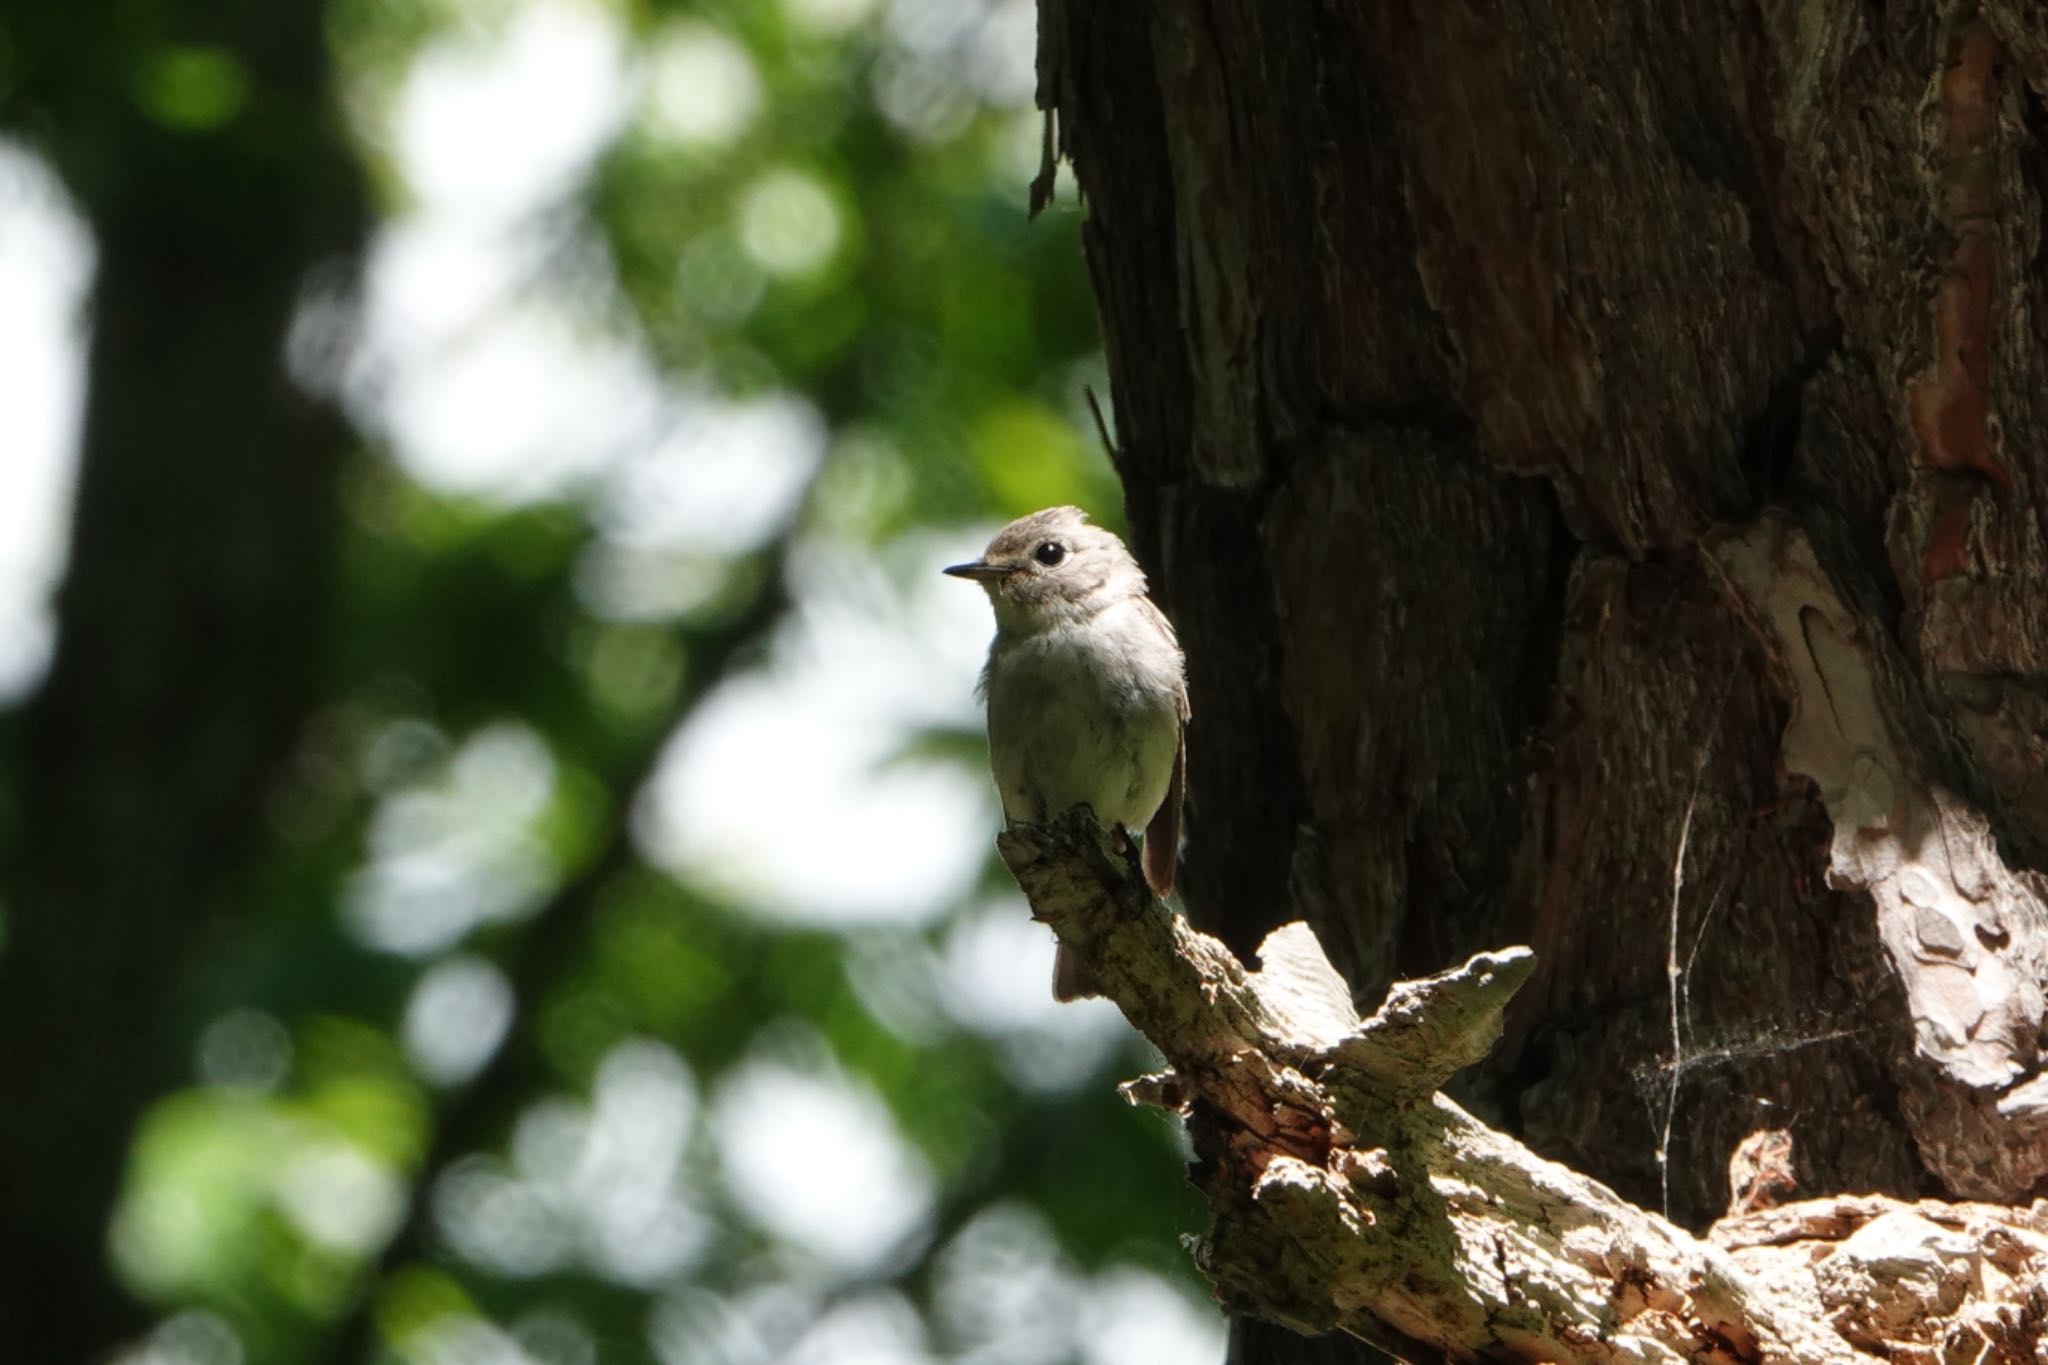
[(1595, 456), (187, 637)]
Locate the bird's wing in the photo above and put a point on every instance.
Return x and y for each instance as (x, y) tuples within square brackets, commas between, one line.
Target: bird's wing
[(1157, 619), (1162, 836)]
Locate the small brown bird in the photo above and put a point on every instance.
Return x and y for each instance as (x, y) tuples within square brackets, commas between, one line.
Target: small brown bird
[(1086, 691)]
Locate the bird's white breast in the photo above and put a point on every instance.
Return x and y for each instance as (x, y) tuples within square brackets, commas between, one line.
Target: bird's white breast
[(1085, 713)]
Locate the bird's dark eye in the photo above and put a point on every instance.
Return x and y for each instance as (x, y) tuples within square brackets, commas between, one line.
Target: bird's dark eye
[(1049, 553)]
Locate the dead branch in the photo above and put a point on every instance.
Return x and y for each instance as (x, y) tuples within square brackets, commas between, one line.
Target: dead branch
[(1347, 1194)]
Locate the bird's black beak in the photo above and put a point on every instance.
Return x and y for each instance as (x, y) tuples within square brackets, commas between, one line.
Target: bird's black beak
[(981, 571)]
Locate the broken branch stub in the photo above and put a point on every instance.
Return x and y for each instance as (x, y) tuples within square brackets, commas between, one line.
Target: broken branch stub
[(1346, 1194)]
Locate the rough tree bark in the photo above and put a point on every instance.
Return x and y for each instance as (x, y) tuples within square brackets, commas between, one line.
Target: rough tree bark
[(1595, 455)]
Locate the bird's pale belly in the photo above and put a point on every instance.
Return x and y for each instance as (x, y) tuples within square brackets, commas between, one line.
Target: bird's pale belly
[(1065, 732)]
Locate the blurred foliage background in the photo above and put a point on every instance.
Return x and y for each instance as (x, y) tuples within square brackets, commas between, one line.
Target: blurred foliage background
[(614, 968)]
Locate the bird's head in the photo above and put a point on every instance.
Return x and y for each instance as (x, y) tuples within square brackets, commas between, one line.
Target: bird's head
[(1052, 568)]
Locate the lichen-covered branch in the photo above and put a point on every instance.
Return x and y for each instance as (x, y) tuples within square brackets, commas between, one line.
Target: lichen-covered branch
[(1346, 1194)]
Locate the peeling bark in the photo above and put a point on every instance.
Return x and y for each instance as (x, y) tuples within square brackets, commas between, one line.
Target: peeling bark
[(1966, 934)]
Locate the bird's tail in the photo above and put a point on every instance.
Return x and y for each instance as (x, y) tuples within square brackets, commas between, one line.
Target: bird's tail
[(1071, 978)]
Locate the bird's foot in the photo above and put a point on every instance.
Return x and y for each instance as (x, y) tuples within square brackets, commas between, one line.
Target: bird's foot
[(1120, 838)]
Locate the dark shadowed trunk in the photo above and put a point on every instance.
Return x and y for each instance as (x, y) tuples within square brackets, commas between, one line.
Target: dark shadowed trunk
[(1596, 457), (185, 652)]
